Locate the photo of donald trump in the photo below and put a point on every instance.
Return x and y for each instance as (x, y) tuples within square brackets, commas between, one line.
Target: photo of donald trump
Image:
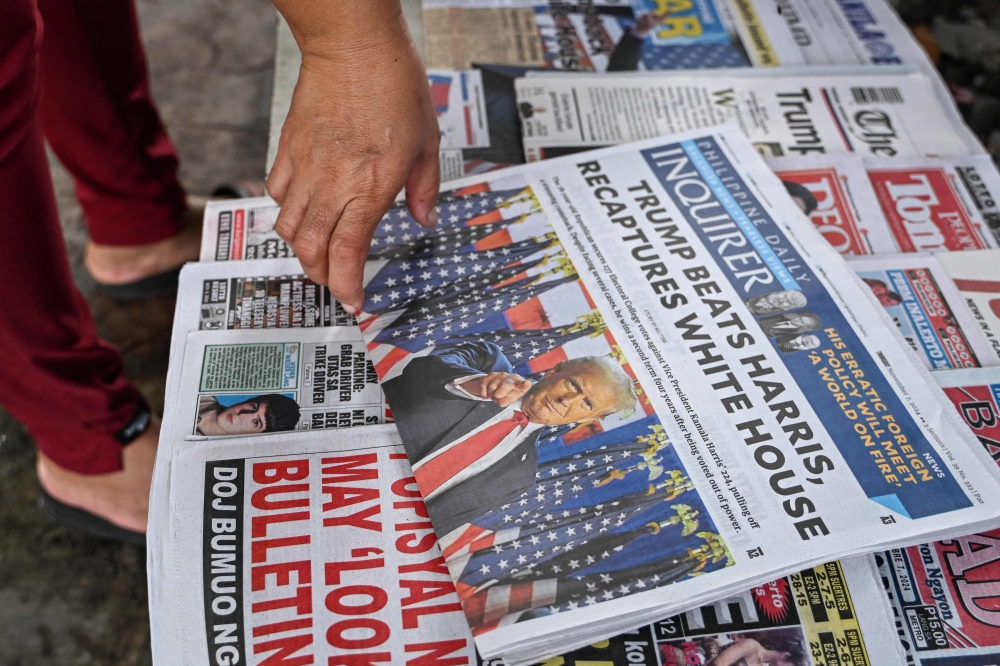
[(470, 425)]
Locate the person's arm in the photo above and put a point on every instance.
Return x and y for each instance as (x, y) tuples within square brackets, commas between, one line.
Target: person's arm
[(360, 127)]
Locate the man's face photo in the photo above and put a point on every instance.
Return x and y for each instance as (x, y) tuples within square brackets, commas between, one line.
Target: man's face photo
[(243, 418), (570, 393), (777, 301), (796, 343), (263, 413), (885, 296)]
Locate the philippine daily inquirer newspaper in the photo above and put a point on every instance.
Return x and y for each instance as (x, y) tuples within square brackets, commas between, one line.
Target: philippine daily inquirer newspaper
[(313, 548), (921, 299), (809, 111), (655, 315), (662, 34)]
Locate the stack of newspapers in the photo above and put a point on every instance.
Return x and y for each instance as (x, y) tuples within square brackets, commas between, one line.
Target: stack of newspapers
[(697, 368)]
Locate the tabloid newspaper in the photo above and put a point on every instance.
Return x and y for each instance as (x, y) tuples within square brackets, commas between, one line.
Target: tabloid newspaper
[(976, 276), (477, 115), (657, 326), (600, 35), (834, 191), (267, 349), (939, 204), (808, 111), (944, 593), (920, 297), (256, 347), (237, 229), (302, 548), (921, 204)]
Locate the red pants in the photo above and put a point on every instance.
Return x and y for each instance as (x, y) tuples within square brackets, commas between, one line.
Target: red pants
[(86, 87)]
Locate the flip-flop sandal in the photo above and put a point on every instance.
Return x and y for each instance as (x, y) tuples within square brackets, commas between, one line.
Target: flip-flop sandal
[(88, 523), (165, 283), (154, 286)]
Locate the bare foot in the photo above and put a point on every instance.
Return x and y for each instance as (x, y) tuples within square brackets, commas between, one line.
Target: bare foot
[(114, 265), (121, 497)]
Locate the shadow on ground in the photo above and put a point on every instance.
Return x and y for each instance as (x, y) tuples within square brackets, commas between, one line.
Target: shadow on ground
[(67, 599)]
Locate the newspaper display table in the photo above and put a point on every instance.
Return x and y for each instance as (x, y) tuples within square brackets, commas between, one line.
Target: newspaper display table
[(834, 611)]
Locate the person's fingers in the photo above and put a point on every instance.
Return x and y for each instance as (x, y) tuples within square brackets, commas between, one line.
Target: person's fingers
[(310, 235), (423, 182), (280, 176), (294, 207), (348, 251)]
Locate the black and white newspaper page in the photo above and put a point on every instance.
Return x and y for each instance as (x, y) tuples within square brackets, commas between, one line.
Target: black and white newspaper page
[(659, 329), (876, 114)]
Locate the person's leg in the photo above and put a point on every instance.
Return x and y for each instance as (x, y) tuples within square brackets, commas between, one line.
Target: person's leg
[(99, 118), (57, 376)]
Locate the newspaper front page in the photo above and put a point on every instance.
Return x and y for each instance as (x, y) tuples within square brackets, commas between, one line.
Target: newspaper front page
[(270, 381), (943, 594), (834, 191), (477, 115), (810, 111), (928, 311), (303, 548), (933, 205), (976, 276), (656, 325), (237, 229), (610, 35)]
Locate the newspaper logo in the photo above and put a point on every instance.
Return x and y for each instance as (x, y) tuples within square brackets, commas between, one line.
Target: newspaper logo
[(980, 409), (831, 213), (923, 210)]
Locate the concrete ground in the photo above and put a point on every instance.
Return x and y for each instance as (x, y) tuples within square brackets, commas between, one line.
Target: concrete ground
[(66, 599)]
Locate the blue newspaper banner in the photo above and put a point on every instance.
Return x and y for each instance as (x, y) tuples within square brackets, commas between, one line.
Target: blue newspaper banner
[(886, 451)]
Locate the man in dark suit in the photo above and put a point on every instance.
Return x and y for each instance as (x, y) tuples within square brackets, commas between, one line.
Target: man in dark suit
[(444, 400)]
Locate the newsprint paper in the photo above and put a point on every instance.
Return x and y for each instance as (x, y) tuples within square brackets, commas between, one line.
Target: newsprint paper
[(809, 111), (656, 325), (920, 297), (318, 550), (943, 594), (601, 35)]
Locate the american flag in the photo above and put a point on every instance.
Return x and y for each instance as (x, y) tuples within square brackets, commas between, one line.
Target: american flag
[(598, 514)]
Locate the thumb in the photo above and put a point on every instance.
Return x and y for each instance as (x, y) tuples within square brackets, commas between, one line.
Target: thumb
[(422, 186)]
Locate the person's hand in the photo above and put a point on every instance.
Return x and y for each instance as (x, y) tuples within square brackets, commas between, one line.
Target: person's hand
[(503, 388), (360, 127), (646, 22)]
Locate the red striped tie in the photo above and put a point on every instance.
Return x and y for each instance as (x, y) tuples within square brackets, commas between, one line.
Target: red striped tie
[(437, 471)]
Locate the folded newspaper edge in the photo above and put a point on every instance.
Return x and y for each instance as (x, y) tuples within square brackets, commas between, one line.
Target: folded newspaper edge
[(577, 194)]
